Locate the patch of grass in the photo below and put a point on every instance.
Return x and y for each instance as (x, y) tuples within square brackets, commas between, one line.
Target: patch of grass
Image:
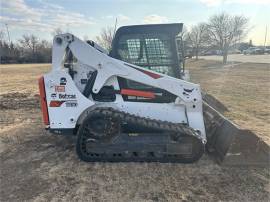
[(242, 87), (21, 78)]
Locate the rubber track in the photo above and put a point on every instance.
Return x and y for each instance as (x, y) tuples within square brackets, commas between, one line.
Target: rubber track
[(176, 128), (146, 122)]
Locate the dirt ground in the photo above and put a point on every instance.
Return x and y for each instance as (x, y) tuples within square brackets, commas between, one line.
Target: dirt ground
[(38, 166)]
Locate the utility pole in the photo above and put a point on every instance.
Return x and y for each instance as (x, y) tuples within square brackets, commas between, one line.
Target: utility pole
[(265, 37), (8, 33), (115, 26)]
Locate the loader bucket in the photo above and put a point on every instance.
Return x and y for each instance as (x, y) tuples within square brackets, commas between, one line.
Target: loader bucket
[(231, 145)]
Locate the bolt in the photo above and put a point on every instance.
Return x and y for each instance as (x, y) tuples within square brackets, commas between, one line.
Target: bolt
[(58, 40)]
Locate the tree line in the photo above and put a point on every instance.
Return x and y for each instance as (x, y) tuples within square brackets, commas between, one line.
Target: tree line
[(28, 49), (220, 32)]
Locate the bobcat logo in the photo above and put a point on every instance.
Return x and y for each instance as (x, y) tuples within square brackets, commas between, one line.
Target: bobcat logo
[(63, 81)]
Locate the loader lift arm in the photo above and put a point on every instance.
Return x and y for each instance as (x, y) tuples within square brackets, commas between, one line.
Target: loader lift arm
[(188, 94), (107, 67)]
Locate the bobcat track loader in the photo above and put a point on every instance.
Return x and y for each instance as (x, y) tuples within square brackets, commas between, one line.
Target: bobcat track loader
[(132, 104)]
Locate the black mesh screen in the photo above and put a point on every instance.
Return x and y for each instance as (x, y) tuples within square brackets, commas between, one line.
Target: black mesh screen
[(152, 51)]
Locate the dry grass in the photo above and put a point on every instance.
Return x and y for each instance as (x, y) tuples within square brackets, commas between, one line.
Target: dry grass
[(37, 166), (242, 87), (21, 78)]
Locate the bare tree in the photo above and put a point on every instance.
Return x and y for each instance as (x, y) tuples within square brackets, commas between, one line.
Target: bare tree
[(44, 51), (105, 38), (4, 48), (2, 36), (27, 49), (30, 43), (197, 37), (224, 30)]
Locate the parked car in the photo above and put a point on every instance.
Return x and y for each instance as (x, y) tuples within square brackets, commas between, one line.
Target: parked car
[(267, 50), (253, 51), (211, 52), (234, 51), (188, 54)]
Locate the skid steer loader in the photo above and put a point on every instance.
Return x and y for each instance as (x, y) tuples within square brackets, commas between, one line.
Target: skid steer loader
[(132, 104)]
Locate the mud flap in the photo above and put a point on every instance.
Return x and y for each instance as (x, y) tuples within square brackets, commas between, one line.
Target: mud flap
[(231, 145)]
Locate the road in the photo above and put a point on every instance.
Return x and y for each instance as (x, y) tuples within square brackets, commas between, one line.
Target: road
[(241, 58)]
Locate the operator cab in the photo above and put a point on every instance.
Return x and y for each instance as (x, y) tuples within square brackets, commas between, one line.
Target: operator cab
[(153, 47)]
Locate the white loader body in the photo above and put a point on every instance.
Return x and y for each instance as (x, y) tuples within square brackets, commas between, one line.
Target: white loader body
[(65, 101)]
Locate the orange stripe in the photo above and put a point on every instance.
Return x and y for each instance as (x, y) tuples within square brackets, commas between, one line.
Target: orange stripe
[(43, 101), (138, 93), (56, 103)]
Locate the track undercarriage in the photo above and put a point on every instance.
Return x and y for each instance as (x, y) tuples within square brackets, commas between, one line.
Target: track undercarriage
[(105, 135)]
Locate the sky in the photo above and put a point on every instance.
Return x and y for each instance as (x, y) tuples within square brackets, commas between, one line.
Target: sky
[(85, 18)]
